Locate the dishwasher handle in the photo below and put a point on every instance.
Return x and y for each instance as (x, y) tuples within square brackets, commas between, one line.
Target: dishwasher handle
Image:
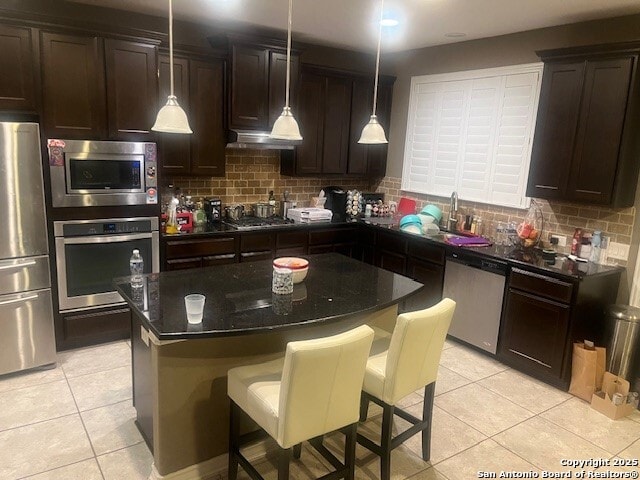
[(487, 265)]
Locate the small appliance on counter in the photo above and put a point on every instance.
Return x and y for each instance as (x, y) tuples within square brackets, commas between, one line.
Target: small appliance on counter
[(336, 202), (213, 209)]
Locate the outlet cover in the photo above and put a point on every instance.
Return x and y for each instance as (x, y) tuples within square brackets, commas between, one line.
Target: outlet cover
[(562, 240), (618, 251)]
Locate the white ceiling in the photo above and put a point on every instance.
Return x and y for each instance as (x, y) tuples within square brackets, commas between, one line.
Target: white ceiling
[(352, 23)]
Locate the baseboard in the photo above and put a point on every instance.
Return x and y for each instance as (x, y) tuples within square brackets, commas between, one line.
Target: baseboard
[(215, 468)]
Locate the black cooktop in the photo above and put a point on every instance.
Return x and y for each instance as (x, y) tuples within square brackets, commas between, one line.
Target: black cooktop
[(249, 221)]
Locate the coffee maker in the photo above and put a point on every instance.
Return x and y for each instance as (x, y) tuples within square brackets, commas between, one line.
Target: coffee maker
[(213, 209), (336, 202)]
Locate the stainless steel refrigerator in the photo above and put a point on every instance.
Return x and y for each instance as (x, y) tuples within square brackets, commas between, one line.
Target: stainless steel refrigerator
[(26, 312)]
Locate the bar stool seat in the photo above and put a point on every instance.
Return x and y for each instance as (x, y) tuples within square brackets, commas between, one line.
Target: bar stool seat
[(399, 364), (314, 390)]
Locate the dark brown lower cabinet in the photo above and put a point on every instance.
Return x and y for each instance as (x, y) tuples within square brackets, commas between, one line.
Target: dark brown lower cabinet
[(142, 380), (392, 261), (535, 332), (78, 329), (431, 275)]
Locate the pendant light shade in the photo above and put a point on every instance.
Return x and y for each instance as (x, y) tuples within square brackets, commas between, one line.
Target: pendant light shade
[(373, 133), (286, 127), (171, 118)]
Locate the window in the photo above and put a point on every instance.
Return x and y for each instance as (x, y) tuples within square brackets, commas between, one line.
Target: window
[(471, 132)]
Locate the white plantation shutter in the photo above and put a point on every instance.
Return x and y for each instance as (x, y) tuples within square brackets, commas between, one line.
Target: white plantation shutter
[(471, 132)]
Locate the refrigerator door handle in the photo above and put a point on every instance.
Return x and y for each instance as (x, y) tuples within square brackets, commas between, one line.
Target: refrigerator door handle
[(19, 299), (14, 266)]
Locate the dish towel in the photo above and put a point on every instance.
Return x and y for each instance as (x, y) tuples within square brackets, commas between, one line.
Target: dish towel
[(468, 241)]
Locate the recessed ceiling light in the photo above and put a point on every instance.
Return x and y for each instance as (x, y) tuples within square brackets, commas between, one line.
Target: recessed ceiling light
[(455, 34), (389, 22)]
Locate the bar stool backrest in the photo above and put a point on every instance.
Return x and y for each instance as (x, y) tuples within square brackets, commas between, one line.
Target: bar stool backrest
[(321, 384), (415, 349)]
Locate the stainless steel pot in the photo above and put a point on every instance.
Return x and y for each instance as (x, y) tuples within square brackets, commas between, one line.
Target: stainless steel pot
[(234, 212), (264, 210)]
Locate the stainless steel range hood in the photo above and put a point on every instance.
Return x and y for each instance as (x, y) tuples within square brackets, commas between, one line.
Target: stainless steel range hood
[(257, 139)]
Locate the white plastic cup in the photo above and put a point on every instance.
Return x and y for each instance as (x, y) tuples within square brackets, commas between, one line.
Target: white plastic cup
[(194, 303)]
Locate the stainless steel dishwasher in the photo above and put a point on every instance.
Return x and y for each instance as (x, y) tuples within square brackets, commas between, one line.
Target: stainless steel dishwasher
[(477, 286)]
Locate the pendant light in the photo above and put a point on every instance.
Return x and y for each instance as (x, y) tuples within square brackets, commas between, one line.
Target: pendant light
[(286, 127), (373, 133), (171, 118)]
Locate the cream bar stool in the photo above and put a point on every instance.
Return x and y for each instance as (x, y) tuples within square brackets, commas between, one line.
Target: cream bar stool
[(401, 363), (315, 389)]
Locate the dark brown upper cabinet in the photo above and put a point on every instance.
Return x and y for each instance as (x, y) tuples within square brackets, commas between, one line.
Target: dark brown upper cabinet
[(174, 150), (585, 148), (132, 86), (200, 88), (74, 99), (258, 74), (95, 88), (333, 107), (369, 160), (17, 92)]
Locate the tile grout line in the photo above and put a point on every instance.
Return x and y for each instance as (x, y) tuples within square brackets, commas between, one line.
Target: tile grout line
[(39, 422), (84, 426), (56, 468), (93, 373)]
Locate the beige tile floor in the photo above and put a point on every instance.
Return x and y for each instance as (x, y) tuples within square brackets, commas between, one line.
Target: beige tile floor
[(76, 422)]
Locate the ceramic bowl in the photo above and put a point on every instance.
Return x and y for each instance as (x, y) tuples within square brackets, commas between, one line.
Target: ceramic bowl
[(299, 266), (433, 211), (410, 219)]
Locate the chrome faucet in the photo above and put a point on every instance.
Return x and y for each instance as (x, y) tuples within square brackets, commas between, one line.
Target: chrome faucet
[(453, 212)]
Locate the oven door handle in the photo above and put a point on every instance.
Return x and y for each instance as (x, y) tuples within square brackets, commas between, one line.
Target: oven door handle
[(107, 239), (19, 299)]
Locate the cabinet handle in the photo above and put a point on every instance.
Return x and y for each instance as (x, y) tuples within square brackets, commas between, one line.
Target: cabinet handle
[(530, 358), (18, 265), (547, 187), (19, 299), (593, 192), (245, 117)]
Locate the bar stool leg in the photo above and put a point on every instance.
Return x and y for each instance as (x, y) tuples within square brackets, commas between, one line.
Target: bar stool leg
[(284, 459), (234, 436), (385, 442), (364, 407), (350, 451), (427, 414), (297, 451)]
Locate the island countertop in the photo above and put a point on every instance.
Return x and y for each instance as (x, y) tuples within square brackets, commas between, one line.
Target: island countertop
[(239, 298)]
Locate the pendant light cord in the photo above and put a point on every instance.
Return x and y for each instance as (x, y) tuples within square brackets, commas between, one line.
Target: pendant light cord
[(171, 44), (375, 84), (286, 100)]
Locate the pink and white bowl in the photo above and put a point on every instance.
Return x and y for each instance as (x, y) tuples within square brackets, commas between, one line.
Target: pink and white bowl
[(299, 266)]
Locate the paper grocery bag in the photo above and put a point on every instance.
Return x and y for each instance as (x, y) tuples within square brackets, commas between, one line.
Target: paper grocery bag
[(587, 370)]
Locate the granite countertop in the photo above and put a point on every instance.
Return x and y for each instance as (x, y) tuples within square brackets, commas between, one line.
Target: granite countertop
[(239, 299)]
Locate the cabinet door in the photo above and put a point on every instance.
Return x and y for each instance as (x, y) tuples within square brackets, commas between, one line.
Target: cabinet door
[(337, 110), (74, 102), (602, 114), (311, 112), (207, 118), (534, 332), (555, 129), (183, 264), (377, 154), (250, 81), (132, 89), (16, 64), (360, 113), (174, 149), (277, 84), (392, 261), (431, 275)]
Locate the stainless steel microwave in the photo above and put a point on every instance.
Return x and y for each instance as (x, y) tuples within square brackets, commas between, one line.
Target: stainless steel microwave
[(96, 173)]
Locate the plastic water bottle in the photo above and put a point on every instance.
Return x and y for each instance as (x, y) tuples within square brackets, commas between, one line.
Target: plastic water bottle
[(136, 264)]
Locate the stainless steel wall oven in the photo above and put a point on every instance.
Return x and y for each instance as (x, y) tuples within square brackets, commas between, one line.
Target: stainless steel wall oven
[(93, 173), (90, 253)]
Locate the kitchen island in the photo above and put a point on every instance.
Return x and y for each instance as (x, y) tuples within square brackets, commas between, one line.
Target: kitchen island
[(179, 370)]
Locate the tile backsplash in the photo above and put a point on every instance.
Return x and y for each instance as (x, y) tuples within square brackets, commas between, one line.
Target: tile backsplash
[(251, 174), (559, 218)]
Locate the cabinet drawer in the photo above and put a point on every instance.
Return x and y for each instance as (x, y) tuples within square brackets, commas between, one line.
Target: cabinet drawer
[(253, 242), (212, 260), (184, 263), (291, 251), (335, 235), (254, 256), (206, 246), (292, 239), (541, 285), (426, 251), (105, 325), (393, 242)]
